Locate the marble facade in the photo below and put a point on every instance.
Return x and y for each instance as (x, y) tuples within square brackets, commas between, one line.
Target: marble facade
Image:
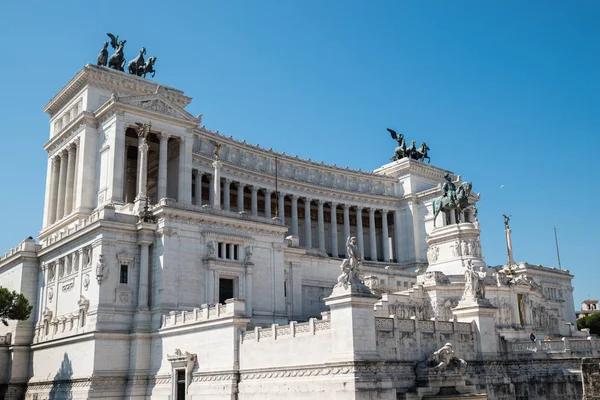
[(164, 271)]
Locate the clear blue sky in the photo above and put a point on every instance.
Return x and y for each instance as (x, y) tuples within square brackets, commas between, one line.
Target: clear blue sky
[(505, 94)]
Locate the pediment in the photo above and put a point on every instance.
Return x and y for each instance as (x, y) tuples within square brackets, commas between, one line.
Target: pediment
[(155, 103)]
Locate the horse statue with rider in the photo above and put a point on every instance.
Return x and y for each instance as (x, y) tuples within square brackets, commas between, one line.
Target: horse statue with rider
[(453, 199), (419, 154)]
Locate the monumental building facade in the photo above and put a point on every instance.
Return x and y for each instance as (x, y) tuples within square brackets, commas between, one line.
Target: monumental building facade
[(174, 262)]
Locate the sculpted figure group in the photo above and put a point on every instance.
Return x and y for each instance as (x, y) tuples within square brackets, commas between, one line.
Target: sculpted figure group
[(474, 283), (138, 66), (408, 152), (443, 359)]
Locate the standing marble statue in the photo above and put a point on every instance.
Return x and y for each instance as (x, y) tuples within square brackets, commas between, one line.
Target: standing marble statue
[(350, 268), (474, 283)]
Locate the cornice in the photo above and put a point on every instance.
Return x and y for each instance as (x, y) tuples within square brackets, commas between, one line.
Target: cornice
[(72, 129), (283, 157), (117, 80)]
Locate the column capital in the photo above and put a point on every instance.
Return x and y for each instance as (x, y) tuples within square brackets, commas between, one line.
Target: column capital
[(371, 210), (334, 204), (227, 181), (254, 188), (294, 197), (359, 208), (56, 160), (384, 211), (196, 172), (269, 191), (321, 202), (346, 206), (163, 136), (64, 153), (71, 148), (241, 185), (308, 199)]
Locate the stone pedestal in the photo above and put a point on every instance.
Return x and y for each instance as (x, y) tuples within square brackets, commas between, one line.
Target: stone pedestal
[(352, 322), (452, 246), (482, 313)]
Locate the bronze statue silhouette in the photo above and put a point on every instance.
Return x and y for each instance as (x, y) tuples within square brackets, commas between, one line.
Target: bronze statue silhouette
[(136, 66), (103, 56), (148, 67), (401, 151), (117, 60), (458, 203)]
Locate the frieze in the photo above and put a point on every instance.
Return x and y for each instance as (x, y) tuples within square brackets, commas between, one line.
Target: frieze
[(391, 369), (222, 224)]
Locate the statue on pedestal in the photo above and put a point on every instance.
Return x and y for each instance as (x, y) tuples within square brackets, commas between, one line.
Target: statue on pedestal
[(474, 284), (453, 199), (350, 268)]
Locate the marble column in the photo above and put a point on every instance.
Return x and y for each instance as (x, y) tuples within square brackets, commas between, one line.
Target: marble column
[(307, 224), (217, 184), (254, 200), (162, 165), (142, 184), (281, 207), (227, 194), (211, 189), (397, 235), (130, 181), (359, 232), (294, 215), (62, 185), (385, 236), (346, 222), (70, 179), (198, 187), (240, 197), (268, 194), (372, 234), (79, 255), (54, 190), (181, 189), (333, 227), (143, 284), (321, 224)]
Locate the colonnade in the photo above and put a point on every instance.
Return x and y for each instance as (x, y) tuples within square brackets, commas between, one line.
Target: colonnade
[(297, 211), (62, 182)]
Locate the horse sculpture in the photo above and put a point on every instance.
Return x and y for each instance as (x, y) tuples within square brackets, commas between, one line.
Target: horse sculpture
[(411, 152), (136, 66), (117, 60), (445, 204), (149, 67)]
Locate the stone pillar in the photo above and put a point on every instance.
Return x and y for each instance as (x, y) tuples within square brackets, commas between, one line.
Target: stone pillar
[(352, 324), (54, 190), (346, 222), (294, 215), (281, 207), (79, 255), (254, 200), (62, 185), (216, 184), (397, 233), (130, 183), (333, 227), (70, 179), (268, 194), (226, 194), (181, 173), (359, 232), (483, 317), (249, 290), (162, 165), (384, 235), (240, 197), (198, 187), (142, 183), (372, 234), (307, 225), (321, 225), (143, 284), (211, 191)]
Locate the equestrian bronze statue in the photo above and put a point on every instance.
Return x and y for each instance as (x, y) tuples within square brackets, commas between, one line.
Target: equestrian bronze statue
[(453, 199)]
